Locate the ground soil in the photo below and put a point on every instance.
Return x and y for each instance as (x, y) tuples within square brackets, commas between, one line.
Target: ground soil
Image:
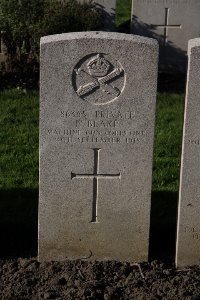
[(27, 279)]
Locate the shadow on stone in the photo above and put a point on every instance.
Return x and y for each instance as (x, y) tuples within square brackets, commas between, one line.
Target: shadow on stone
[(108, 18), (171, 58), (18, 223), (163, 226)]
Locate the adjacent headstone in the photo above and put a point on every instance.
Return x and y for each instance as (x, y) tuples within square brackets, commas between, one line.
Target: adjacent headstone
[(108, 9), (97, 111), (172, 23), (188, 235)]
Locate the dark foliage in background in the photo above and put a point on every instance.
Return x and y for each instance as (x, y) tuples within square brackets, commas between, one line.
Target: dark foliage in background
[(24, 22)]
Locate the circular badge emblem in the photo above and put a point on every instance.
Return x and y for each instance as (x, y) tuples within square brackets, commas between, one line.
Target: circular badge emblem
[(98, 78)]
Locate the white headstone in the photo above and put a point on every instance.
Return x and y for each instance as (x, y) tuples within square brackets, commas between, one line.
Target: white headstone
[(188, 235), (172, 23), (97, 111)]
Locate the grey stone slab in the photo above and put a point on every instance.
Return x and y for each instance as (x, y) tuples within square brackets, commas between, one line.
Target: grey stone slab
[(188, 235), (172, 23), (108, 9), (97, 110)]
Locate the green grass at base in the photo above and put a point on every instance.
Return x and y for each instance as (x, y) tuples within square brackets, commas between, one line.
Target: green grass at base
[(19, 142), (168, 140), (19, 139)]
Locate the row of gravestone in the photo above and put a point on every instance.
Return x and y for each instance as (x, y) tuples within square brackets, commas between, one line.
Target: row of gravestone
[(171, 22), (97, 115)]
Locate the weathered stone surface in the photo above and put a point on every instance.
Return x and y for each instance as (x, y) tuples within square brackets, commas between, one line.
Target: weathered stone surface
[(172, 23), (188, 235), (98, 94)]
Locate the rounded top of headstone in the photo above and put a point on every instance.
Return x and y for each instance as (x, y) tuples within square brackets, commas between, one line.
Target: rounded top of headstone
[(98, 35)]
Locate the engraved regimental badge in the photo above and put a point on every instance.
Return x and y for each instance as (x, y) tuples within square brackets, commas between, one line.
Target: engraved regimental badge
[(99, 79)]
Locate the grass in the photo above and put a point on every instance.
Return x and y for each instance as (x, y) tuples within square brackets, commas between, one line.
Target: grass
[(168, 137), (19, 141), (123, 15)]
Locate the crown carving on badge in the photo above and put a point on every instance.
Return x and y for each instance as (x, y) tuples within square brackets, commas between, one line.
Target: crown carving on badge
[(98, 66)]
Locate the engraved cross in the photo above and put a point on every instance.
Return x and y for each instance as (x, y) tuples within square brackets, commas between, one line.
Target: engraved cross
[(166, 26), (95, 177)]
